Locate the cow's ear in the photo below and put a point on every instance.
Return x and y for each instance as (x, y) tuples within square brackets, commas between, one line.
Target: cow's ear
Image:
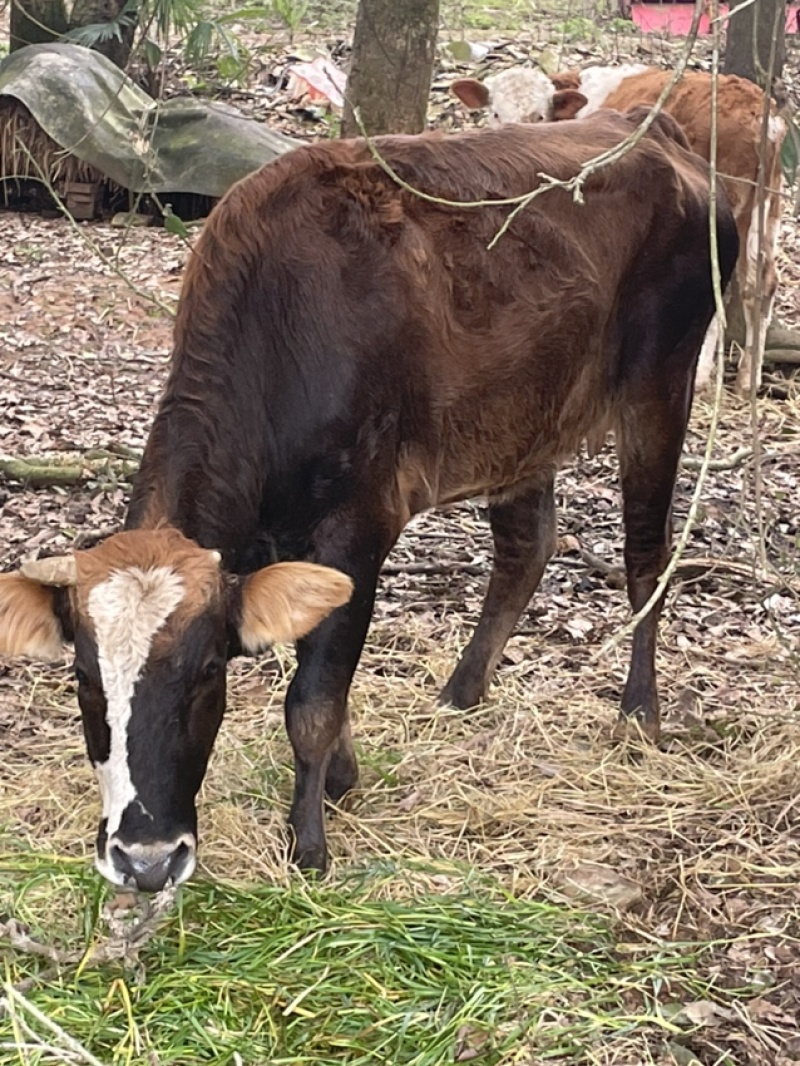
[(471, 92), (283, 602), (34, 618), (567, 79), (567, 103)]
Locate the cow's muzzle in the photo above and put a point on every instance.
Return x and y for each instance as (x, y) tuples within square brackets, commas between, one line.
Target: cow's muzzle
[(149, 867)]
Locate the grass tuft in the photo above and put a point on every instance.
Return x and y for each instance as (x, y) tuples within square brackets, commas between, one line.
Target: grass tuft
[(322, 974)]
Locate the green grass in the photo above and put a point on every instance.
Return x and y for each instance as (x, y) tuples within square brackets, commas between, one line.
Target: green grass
[(321, 974)]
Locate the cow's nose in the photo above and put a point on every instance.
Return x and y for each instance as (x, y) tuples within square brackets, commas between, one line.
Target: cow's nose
[(149, 867)]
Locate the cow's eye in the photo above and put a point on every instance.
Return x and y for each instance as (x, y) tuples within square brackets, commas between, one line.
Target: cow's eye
[(211, 669)]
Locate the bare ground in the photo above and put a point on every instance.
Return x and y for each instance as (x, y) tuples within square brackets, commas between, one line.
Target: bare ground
[(699, 840)]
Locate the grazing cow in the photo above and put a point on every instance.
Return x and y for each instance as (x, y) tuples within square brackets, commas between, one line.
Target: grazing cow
[(517, 94), (577, 94), (527, 94), (348, 354)]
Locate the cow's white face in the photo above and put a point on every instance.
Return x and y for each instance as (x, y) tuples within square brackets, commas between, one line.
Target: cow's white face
[(154, 619), (519, 94)]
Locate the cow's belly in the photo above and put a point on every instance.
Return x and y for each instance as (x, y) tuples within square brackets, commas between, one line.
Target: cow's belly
[(487, 451)]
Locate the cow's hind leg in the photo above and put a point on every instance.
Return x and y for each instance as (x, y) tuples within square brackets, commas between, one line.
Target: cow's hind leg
[(316, 703), (758, 273), (649, 443), (708, 355), (524, 532)]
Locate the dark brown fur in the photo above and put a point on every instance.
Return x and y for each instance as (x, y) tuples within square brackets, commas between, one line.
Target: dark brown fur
[(347, 354), (316, 212)]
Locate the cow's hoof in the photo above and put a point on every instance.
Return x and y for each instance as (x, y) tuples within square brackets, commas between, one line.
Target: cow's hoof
[(312, 864), (310, 859), (632, 727), (462, 696), (340, 780)]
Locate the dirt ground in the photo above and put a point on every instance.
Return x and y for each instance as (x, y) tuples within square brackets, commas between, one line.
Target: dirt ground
[(699, 840)]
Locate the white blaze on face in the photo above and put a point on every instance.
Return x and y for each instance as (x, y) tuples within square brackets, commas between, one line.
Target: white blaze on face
[(127, 610)]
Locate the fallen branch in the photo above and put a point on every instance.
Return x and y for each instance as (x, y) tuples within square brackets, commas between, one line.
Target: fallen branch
[(434, 568), (790, 356), (126, 940), (692, 567), (17, 935), (780, 337), (64, 470), (691, 462)]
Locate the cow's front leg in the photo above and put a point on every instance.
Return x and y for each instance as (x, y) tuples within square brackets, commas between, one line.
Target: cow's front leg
[(316, 703)]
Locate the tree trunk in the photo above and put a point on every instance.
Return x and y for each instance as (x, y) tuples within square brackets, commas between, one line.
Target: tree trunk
[(36, 22), (392, 66), (753, 33), (117, 49)]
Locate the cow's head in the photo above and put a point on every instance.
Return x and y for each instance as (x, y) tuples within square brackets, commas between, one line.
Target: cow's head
[(519, 94), (154, 619)]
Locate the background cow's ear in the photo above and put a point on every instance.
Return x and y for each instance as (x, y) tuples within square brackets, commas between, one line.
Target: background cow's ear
[(35, 619), (283, 602), (567, 103), (567, 79), (471, 92)]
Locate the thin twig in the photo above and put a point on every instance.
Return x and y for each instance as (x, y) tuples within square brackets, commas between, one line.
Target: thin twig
[(15, 998), (126, 940), (574, 184), (612, 155), (756, 354)]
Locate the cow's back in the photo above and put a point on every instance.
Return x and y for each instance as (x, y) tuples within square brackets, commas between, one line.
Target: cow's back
[(740, 115), (333, 318)]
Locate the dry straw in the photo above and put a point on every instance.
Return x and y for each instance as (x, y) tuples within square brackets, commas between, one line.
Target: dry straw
[(22, 140)]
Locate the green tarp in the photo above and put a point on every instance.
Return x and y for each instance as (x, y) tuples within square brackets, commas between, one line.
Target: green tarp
[(92, 110)]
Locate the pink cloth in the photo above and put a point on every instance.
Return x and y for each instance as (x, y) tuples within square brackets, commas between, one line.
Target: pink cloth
[(677, 18)]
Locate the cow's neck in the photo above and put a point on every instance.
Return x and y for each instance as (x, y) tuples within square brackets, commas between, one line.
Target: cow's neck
[(209, 489)]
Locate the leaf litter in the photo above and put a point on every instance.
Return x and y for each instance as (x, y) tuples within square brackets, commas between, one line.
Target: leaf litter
[(698, 841)]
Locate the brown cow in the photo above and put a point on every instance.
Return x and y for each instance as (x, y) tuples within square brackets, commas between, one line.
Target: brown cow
[(348, 354), (519, 95)]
